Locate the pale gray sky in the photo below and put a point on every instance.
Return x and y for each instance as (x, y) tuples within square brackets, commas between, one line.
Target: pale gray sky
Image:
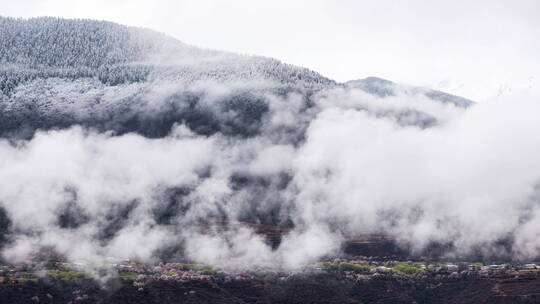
[(477, 49)]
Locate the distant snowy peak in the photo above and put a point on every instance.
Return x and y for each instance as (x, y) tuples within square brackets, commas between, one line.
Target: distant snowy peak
[(384, 88)]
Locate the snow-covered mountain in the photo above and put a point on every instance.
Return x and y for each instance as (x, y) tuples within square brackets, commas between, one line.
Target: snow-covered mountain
[(56, 72), (383, 88), (116, 54)]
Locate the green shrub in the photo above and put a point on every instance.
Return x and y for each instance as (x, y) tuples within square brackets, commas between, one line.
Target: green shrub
[(209, 272), (346, 266), (129, 276), (408, 268), (329, 266), (195, 267), (26, 280), (362, 267), (66, 275)]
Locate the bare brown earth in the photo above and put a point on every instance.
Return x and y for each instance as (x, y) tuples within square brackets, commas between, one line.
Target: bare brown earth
[(313, 288), (360, 244), (300, 288)]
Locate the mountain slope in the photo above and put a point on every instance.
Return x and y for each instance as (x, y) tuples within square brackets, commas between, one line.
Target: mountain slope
[(58, 72), (52, 47), (55, 73)]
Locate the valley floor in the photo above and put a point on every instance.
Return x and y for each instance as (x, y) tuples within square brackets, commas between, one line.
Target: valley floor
[(328, 282)]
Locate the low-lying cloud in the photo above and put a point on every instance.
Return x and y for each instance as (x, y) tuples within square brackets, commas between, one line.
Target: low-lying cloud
[(160, 150), (470, 180)]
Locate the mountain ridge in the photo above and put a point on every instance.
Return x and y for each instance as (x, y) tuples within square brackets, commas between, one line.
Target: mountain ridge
[(59, 72), (384, 88)]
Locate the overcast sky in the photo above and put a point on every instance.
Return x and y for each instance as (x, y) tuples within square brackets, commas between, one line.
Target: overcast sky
[(476, 49)]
